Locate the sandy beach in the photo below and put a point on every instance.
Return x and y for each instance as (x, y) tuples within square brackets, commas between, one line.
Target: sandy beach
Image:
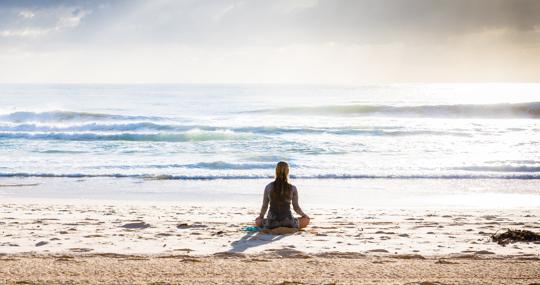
[(117, 243)]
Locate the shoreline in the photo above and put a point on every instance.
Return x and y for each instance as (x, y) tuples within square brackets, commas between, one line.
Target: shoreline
[(328, 193)]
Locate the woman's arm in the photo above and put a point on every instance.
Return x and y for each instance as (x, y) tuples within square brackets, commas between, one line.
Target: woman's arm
[(295, 204), (265, 202)]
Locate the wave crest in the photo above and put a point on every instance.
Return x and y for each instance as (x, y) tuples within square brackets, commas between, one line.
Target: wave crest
[(193, 135), (63, 116), (518, 110), (504, 168), (172, 127), (253, 176)]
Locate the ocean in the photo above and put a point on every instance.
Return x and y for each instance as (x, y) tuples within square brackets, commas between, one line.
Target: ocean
[(183, 133)]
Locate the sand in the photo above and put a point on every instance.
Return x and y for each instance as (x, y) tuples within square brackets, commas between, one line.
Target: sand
[(271, 269), (104, 242), (138, 228)]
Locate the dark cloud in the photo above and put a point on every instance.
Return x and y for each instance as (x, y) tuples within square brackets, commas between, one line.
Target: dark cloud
[(397, 20), (267, 22)]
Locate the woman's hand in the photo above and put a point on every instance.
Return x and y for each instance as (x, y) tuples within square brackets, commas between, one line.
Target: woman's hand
[(259, 221), (303, 221)]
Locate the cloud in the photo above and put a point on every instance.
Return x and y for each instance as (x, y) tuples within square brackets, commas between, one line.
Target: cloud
[(36, 22), (279, 22), (261, 22), (333, 41), (352, 21), (26, 32), (27, 14)]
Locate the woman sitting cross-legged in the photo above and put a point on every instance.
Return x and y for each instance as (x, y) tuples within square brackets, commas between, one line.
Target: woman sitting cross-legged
[(280, 194)]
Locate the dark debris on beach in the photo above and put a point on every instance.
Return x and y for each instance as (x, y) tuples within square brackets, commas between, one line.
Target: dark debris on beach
[(511, 236)]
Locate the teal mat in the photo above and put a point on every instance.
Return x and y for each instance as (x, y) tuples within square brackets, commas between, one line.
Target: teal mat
[(251, 229)]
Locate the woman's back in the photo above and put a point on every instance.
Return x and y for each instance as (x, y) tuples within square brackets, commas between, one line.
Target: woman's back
[(280, 200)]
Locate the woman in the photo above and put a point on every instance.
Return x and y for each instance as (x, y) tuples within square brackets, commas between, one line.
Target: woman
[(280, 194)]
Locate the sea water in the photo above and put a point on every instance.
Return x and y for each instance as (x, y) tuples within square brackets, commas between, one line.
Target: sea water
[(185, 134)]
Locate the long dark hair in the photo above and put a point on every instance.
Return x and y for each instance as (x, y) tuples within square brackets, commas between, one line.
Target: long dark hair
[(282, 189)]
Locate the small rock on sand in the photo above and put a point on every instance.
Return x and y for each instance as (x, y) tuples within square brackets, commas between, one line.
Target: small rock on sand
[(378, 250), (41, 243), (484, 252), (139, 225), (186, 226)]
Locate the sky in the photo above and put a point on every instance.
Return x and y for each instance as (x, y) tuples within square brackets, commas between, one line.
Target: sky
[(342, 42)]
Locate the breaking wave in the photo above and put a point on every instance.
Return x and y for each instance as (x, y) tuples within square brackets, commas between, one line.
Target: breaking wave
[(172, 127), (253, 176), (63, 116), (214, 165), (506, 168), (194, 135), (518, 110)]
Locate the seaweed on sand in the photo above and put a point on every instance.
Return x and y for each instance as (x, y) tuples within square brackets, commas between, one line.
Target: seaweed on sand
[(511, 236)]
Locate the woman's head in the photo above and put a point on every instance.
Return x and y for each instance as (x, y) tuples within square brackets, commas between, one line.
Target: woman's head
[(282, 171), (282, 188)]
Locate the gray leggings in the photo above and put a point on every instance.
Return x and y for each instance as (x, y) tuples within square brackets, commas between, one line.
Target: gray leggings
[(289, 222)]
